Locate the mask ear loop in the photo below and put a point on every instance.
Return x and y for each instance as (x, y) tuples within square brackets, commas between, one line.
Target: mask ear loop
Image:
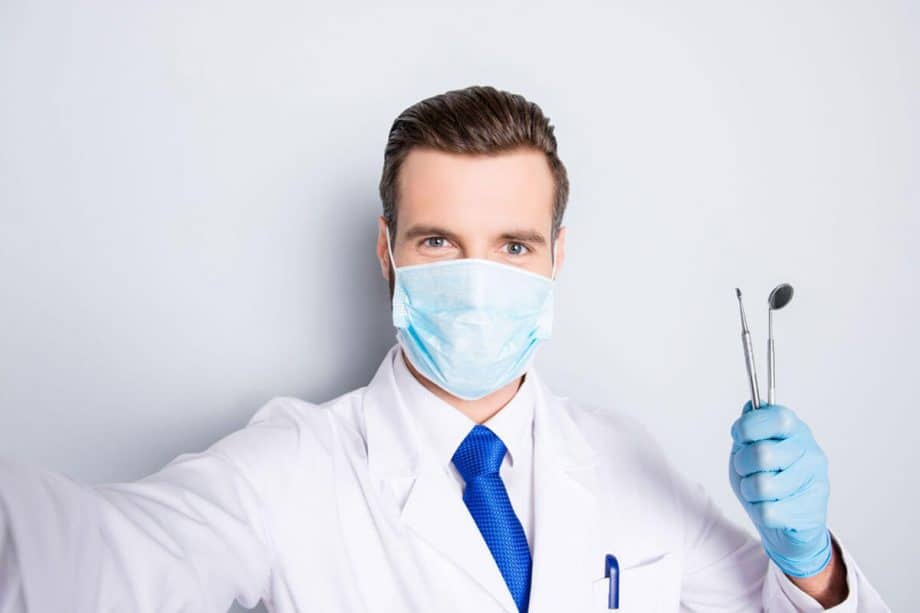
[(553, 274), (390, 252)]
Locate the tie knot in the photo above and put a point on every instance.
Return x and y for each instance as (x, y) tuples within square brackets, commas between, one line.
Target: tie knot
[(480, 453)]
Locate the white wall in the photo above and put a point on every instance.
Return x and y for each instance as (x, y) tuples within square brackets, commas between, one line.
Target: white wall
[(188, 202)]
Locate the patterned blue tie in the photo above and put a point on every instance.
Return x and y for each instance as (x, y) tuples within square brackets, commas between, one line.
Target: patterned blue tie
[(478, 459)]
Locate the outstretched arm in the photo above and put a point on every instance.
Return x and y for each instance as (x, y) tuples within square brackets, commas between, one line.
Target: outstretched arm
[(191, 537)]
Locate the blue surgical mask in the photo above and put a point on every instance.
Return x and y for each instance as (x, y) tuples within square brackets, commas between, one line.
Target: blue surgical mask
[(471, 326)]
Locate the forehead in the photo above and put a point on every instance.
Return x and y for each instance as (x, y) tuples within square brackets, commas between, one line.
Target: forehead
[(507, 188)]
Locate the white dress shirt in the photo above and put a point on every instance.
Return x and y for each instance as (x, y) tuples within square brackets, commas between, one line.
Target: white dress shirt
[(444, 428)]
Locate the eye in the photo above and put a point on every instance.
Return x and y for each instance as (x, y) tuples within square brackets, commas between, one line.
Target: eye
[(515, 248), (434, 241)]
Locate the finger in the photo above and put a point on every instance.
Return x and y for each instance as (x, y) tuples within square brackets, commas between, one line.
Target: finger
[(769, 421), (768, 454), (748, 406), (804, 511), (778, 484)]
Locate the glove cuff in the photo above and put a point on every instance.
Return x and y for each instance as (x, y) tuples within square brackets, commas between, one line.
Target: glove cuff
[(806, 567)]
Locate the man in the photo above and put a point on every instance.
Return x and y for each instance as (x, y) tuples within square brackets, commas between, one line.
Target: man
[(456, 480)]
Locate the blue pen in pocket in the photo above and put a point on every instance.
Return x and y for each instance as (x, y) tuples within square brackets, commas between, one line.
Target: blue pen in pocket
[(612, 572)]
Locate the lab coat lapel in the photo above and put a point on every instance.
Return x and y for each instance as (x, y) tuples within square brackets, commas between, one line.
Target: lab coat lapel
[(438, 515), (433, 510), (567, 523)]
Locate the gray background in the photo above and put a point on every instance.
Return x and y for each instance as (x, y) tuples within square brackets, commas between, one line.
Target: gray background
[(188, 196)]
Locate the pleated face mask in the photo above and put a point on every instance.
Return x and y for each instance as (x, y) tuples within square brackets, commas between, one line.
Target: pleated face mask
[(470, 325)]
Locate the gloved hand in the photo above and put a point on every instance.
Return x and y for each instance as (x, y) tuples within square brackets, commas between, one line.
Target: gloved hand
[(779, 474)]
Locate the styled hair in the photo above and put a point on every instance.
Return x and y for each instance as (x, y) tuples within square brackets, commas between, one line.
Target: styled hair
[(476, 120)]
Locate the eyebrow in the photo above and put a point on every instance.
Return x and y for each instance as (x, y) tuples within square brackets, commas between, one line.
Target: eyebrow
[(418, 231), (524, 236)]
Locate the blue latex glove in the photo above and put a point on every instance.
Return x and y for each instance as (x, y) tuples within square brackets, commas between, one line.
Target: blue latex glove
[(779, 474)]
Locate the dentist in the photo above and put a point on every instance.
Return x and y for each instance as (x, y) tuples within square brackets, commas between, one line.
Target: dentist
[(455, 481)]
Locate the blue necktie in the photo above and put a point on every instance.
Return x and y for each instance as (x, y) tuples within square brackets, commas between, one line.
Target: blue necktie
[(478, 459)]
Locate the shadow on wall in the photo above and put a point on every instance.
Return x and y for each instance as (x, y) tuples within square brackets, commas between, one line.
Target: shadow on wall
[(352, 321), (360, 302)]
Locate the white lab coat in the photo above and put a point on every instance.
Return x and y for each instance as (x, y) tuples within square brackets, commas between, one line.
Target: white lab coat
[(338, 508)]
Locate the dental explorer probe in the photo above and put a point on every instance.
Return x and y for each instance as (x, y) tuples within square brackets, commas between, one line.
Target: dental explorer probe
[(748, 355), (779, 297)]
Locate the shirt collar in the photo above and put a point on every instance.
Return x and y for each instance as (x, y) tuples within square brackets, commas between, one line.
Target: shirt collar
[(445, 427)]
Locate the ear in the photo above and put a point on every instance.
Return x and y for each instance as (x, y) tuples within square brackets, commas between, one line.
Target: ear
[(560, 250), (382, 255)]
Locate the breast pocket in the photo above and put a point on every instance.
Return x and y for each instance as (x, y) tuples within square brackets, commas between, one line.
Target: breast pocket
[(649, 587)]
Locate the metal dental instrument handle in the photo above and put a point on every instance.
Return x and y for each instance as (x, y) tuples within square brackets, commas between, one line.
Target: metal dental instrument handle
[(771, 364), (748, 355), (779, 297)]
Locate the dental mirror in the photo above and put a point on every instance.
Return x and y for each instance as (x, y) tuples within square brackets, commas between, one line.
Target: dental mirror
[(779, 297)]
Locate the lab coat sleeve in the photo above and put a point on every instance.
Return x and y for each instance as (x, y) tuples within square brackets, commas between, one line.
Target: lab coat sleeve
[(780, 591), (726, 568), (191, 537)]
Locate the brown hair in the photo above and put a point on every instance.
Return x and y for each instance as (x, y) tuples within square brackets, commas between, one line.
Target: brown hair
[(477, 120)]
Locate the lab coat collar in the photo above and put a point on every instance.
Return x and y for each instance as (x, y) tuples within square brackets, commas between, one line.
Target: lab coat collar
[(445, 427), (566, 513)]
